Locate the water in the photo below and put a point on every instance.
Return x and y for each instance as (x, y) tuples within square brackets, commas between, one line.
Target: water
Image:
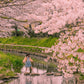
[(42, 79), (37, 80)]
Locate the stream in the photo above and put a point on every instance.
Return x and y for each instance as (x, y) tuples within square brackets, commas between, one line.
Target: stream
[(41, 79)]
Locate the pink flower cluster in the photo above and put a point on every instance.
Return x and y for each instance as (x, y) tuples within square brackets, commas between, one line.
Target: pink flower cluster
[(58, 13), (65, 52)]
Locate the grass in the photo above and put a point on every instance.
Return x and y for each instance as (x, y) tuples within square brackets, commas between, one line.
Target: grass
[(6, 60), (81, 76), (42, 42), (22, 48), (25, 49)]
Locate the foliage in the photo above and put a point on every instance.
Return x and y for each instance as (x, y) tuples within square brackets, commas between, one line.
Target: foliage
[(80, 50), (70, 64), (9, 61), (25, 49)]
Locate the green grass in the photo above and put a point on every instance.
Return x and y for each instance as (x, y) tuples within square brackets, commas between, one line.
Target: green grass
[(25, 49), (42, 42), (81, 76), (22, 48), (6, 60)]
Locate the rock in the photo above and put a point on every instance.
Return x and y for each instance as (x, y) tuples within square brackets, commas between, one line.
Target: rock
[(14, 76), (6, 78), (34, 74), (26, 73), (49, 74), (57, 74)]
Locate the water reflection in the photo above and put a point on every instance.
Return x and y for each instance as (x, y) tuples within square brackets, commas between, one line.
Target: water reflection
[(28, 81), (37, 80), (42, 79)]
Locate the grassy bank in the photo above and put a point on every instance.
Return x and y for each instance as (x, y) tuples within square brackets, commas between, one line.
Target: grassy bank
[(9, 61), (42, 42), (25, 49)]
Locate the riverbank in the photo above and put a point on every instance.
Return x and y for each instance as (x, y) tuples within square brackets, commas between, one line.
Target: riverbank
[(40, 62), (9, 65), (25, 48)]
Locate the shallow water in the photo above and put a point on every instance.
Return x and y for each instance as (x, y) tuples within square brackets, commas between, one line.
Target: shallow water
[(37, 80), (42, 79)]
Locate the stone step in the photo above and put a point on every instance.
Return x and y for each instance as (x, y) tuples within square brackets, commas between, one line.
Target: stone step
[(32, 74), (57, 74), (49, 74)]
